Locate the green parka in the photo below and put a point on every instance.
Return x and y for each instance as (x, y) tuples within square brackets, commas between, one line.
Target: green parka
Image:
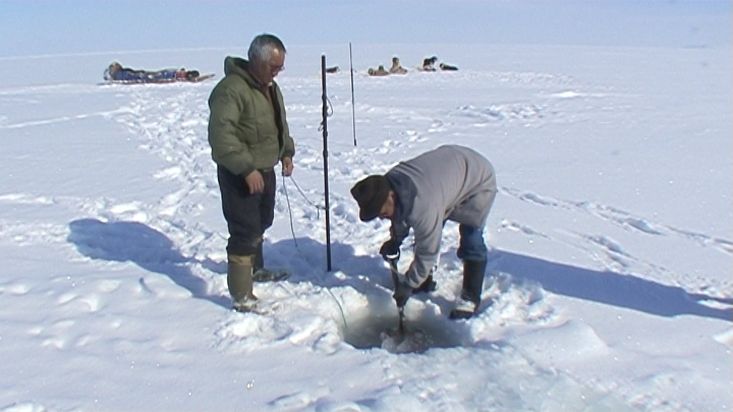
[(242, 134)]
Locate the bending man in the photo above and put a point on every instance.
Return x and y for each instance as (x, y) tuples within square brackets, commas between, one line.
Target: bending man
[(449, 183)]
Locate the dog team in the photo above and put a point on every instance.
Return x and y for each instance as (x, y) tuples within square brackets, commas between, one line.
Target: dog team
[(428, 65)]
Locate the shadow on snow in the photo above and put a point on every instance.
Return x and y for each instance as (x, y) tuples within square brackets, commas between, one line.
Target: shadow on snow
[(621, 290), (306, 258), (142, 245)]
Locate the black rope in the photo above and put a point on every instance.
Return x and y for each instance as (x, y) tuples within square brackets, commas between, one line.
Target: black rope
[(329, 113), (295, 240)]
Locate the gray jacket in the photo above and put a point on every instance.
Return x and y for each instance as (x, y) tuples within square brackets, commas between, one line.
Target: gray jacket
[(448, 183)]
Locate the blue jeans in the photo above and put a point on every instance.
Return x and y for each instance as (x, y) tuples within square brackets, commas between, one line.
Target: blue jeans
[(471, 245)]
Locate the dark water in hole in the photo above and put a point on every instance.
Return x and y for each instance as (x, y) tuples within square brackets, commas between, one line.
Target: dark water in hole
[(420, 334)]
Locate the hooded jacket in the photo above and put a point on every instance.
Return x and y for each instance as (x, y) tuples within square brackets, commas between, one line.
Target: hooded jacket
[(242, 133), (449, 183)]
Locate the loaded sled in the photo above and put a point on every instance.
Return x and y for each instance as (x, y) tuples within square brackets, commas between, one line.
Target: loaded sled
[(115, 73)]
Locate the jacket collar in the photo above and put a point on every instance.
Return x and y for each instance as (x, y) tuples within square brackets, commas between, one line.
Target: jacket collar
[(405, 192), (240, 67)]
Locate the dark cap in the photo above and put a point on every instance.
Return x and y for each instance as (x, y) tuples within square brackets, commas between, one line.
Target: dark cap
[(370, 194)]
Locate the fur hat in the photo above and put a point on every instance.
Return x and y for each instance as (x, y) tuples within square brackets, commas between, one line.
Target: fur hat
[(371, 193)]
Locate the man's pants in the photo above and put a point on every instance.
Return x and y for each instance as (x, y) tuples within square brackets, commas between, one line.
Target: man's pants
[(472, 250), (472, 246), (248, 215)]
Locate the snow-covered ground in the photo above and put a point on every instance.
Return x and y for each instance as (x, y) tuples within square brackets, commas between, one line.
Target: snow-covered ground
[(609, 285)]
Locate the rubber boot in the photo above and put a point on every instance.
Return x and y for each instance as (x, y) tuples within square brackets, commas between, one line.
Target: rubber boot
[(473, 283), (239, 282)]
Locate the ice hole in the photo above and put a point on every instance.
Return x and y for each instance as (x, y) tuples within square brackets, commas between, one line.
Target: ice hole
[(420, 334)]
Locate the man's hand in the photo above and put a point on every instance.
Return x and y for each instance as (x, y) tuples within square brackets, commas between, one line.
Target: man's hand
[(255, 183), (402, 293), (287, 166), (390, 249)]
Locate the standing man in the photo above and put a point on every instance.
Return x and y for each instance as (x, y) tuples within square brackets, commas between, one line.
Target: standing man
[(448, 183), (249, 136)]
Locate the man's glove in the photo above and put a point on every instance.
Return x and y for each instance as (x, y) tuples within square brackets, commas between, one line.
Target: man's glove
[(390, 248), (402, 292)]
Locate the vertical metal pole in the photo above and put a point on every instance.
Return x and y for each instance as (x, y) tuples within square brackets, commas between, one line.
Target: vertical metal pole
[(353, 109), (325, 161)]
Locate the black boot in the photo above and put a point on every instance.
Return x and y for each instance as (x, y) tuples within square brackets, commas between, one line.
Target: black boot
[(262, 274), (259, 262), (429, 285), (473, 282)]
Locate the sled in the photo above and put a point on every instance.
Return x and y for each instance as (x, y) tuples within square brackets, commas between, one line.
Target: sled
[(197, 79)]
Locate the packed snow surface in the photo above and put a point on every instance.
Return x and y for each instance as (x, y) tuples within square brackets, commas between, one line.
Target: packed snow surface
[(609, 283)]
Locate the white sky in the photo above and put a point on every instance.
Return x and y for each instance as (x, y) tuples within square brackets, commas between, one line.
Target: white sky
[(43, 27)]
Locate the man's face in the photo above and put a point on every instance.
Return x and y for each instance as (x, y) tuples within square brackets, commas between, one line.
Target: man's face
[(387, 210), (268, 69)]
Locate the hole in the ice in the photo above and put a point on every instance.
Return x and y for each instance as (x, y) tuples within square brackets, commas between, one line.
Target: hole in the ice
[(420, 333)]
